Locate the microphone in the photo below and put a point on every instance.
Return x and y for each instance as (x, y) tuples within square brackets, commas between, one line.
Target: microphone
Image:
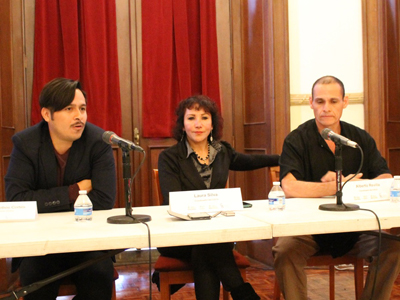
[(111, 138), (328, 134)]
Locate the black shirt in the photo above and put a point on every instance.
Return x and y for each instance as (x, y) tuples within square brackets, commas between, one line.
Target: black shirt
[(307, 156)]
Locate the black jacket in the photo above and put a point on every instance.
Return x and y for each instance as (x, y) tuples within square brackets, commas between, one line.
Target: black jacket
[(178, 173), (32, 172)]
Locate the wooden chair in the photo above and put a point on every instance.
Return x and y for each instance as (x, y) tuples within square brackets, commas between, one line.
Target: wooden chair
[(274, 174), (178, 271), (320, 259)]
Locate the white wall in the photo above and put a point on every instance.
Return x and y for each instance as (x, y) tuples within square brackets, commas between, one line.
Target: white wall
[(325, 38)]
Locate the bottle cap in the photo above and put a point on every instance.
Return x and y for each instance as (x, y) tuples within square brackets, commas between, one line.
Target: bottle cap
[(82, 192), (276, 183)]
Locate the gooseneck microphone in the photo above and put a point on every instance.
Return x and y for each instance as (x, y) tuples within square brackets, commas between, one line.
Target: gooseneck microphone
[(328, 134), (111, 138)]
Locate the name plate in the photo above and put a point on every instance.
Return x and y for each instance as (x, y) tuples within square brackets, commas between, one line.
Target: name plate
[(209, 201), (367, 190), (18, 211)]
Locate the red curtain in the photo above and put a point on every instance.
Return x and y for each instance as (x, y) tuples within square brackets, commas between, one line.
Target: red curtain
[(77, 39), (180, 59)]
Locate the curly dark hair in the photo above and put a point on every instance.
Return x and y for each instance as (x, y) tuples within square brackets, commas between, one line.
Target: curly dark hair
[(198, 102)]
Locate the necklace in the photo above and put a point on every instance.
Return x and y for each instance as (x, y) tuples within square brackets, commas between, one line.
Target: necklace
[(205, 158)]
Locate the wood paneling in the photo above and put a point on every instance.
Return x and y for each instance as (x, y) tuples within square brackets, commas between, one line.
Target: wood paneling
[(381, 23), (5, 86), (392, 84), (261, 85)]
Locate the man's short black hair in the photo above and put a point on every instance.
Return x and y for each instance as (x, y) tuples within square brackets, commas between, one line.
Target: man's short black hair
[(328, 79), (59, 93)]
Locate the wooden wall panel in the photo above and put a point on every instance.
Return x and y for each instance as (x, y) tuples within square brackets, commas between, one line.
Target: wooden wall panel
[(373, 62), (253, 56), (5, 87), (261, 84), (392, 84), (381, 29), (394, 159)]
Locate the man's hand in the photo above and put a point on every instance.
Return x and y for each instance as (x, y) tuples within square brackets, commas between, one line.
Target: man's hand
[(85, 184), (358, 177), (331, 176)]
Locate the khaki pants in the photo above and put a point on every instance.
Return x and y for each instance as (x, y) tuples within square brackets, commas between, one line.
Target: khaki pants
[(291, 254)]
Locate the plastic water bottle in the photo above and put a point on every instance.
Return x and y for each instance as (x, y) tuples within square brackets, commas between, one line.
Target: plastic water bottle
[(83, 207), (395, 190), (276, 197)]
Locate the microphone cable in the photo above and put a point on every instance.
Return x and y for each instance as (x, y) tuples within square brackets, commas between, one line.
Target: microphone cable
[(144, 223), (359, 168), (379, 233), (376, 216), (149, 243)]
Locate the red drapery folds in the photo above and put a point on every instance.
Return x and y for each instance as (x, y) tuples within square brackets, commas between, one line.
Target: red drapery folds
[(180, 59), (77, 39)]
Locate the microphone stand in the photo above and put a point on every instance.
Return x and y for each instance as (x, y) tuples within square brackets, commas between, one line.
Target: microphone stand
[(339, 206), (128, 218)]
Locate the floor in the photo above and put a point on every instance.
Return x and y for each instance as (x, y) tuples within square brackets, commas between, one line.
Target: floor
[(133, 282)]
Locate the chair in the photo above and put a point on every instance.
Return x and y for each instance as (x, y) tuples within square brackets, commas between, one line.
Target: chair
[(274, 173), (178, 271), (320, 259)]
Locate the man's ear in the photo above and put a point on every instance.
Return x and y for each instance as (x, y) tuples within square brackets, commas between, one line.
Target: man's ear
[(46, 114), (346, 101)]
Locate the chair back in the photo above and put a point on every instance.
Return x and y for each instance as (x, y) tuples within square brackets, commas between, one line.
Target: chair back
[(274, 174), (157, 188)]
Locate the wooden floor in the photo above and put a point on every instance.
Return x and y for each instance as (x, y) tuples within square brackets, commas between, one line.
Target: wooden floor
[(133, 283)]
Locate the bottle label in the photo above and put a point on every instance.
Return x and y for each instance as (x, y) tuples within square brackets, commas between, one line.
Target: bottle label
[(394, 193), (278, 201), (83, 211)]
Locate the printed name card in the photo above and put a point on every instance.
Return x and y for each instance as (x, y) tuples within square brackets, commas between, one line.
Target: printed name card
[(367, 190), (187, 202), (18, 211)]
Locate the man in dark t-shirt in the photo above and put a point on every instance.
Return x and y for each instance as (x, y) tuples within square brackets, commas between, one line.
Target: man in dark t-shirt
[(307, 170)]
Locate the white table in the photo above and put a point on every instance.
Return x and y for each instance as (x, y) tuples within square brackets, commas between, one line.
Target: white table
[(59, 233), (302, 217)]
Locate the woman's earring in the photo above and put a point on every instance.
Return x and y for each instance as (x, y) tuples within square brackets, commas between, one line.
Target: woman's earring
[(211, 137)]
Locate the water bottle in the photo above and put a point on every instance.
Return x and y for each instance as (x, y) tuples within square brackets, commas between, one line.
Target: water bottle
[(395, 190), (83, 207), (276, 197)]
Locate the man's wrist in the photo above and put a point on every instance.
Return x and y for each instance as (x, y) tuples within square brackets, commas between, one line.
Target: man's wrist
[(73, 192)]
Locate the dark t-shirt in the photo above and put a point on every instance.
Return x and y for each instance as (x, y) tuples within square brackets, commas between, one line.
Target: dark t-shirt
[(307, 156)]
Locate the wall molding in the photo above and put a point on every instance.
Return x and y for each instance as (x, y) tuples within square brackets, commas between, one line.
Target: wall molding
[(302, 99)]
